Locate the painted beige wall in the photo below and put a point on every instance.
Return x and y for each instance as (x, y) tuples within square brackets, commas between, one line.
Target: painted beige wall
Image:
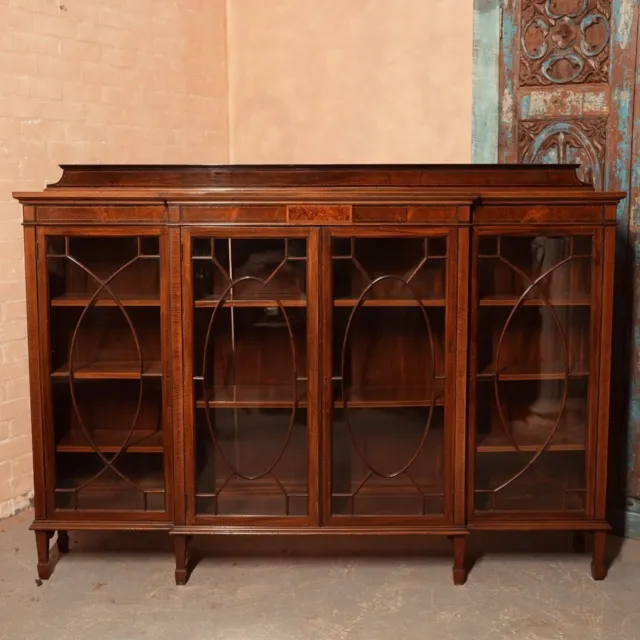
[(350, 80), (92, 81), (134, 81)]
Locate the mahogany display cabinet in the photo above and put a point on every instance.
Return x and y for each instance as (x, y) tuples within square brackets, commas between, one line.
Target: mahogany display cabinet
[(319, 350)]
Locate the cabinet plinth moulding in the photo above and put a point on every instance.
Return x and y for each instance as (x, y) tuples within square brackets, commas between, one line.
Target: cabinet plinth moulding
[(320, 350)]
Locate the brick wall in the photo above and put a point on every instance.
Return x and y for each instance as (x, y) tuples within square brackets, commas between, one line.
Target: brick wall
[(123, 81)]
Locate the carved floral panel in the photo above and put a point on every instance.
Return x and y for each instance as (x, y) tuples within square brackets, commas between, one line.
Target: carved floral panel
[(573, 141), (564, 41)]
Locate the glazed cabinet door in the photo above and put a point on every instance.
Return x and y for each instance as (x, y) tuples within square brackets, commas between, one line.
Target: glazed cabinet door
[(388, 375), (534, 378), (251, 317), (105, 371)]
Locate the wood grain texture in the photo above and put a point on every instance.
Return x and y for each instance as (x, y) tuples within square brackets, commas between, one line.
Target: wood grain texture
[(94, 214), (319, 214), (175, 391), (600, 480), (35, 378), (183, 177), (461, 285)]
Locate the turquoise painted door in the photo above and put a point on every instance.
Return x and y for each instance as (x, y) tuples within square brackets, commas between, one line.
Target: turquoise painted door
[(567, 88)]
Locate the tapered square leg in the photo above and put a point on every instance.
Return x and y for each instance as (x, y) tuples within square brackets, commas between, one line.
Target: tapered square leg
[(181, 549), (459, 566), (63, 542), (598, 564), (42, 546)]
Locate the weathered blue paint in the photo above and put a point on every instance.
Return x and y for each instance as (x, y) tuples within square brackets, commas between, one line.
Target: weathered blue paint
[(619, 172), (623, 20), (558, 153), (634, 202), (507, 133), (573, 102), (486, 37)]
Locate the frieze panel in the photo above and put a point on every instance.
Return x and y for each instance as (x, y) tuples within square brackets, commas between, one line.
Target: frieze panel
[(564, 41)]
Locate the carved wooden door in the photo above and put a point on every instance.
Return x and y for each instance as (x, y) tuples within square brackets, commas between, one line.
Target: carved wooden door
[(567, 79)]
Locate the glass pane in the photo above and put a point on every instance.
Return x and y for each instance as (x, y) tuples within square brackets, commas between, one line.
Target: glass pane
[(401, 268), (107, 271), (251, 461), (106, 344), (250, 377), (387, 460), (388, 376), (532, 383), (258, 269), (537, 268)]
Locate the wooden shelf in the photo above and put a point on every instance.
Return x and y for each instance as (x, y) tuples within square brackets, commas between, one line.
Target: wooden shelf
[(261, 301), (126, 299), (500, 444), (508, 300), (390, 302), (109, 492), (254, 396), (109, 370), (553, 371), (372, 397), (111, 441)]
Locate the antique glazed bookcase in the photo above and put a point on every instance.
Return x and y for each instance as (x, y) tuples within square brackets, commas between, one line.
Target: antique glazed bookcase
[(319, 350)]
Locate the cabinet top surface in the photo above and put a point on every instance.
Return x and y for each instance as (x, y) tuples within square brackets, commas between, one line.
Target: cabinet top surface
[(455, 184), (212, 176)]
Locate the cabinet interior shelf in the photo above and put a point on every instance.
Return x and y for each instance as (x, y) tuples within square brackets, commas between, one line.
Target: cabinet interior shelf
[(125, 299), (111, 485), (500, 444), (110, 370), (362, 398), (508, 300), (280, 397), (252, 396), (111, 441), (552, 371), (286, 300), (389, 302)]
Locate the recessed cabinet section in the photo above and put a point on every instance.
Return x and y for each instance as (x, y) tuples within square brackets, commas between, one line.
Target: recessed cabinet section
[(533, 365), (105, 381), (320, 351), (248, 373), (390, 427)]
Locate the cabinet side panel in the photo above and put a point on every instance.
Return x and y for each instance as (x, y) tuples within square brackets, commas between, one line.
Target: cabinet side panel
[(313, 367), (326, 328), (44, 344), (33, 339), (186, 446), (461, 356), (605, 370), (472, 362), (597, 313), (175, 364)]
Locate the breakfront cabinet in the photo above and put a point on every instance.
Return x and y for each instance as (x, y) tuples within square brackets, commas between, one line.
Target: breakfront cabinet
[(380, 350)]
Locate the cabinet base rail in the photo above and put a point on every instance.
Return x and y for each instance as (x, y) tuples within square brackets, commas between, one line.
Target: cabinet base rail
[(182, 536)]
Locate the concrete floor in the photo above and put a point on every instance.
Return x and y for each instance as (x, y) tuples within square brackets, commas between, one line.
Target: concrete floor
[(120, 586)]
